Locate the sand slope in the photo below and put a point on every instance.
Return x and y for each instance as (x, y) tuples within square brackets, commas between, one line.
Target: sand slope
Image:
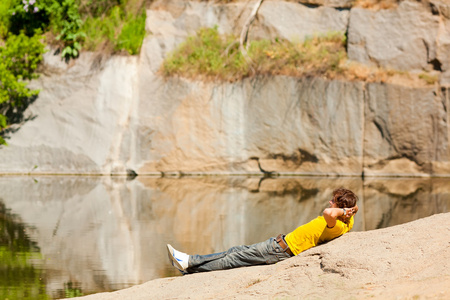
[(408, 261)]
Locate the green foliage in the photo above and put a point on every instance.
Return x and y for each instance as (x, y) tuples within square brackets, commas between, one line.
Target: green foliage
[(12, 92), (207, 54), (132, 35), (98, 8), (117, 23), (211, 55), (22, 54), (102, 29), (28, 16), (66, 21), (61, 17), (5, 15), (119, 29), (19, 58)]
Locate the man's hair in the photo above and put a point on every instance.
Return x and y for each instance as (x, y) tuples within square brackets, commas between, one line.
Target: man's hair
[(344, 199)]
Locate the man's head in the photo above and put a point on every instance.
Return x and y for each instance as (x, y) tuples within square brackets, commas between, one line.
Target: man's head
[(344, 198)]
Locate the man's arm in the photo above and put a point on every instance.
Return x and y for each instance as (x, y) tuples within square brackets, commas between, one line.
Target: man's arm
[(330, 214)]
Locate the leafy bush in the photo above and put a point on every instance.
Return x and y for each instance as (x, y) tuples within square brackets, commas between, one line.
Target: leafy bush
[(66, 21), (22, 55), (119, 24), (61, 17), (19, 58), (28, 16)]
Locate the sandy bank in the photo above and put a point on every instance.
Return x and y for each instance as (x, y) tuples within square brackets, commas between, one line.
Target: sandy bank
[(408, 261)]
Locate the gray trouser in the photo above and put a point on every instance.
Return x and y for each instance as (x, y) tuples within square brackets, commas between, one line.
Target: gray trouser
[(268, 252)]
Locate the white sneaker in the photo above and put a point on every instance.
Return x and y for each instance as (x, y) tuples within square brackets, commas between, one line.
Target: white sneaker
[(180, 260)]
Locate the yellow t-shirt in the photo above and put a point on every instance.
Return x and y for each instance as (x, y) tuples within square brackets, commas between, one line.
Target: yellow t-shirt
[(314, 233)]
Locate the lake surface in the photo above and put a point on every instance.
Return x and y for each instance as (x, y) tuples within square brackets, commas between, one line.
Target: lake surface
[(70, 236)]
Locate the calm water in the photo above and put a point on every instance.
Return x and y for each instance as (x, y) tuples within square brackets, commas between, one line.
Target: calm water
[(68, 236)]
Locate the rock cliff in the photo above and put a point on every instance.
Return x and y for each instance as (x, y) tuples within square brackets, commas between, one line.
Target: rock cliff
[(107, 115)]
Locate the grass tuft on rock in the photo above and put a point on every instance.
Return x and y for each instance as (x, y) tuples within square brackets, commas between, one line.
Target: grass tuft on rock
[(208, 55), (320, 55), (114, 28)]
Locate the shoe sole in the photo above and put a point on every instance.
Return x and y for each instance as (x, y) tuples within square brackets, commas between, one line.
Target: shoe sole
[(175, 262), (181, 271)]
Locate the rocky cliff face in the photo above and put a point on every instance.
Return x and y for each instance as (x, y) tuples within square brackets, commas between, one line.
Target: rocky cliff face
[(106, 115)]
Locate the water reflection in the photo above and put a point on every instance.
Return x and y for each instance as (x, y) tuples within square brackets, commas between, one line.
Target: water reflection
[(19, 279), (95, 234)]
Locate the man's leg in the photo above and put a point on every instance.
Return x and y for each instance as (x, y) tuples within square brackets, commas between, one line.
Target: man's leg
[(267, 252), (196, 260)]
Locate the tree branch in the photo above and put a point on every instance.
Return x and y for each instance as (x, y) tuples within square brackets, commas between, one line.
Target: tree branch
[(244, 33)]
